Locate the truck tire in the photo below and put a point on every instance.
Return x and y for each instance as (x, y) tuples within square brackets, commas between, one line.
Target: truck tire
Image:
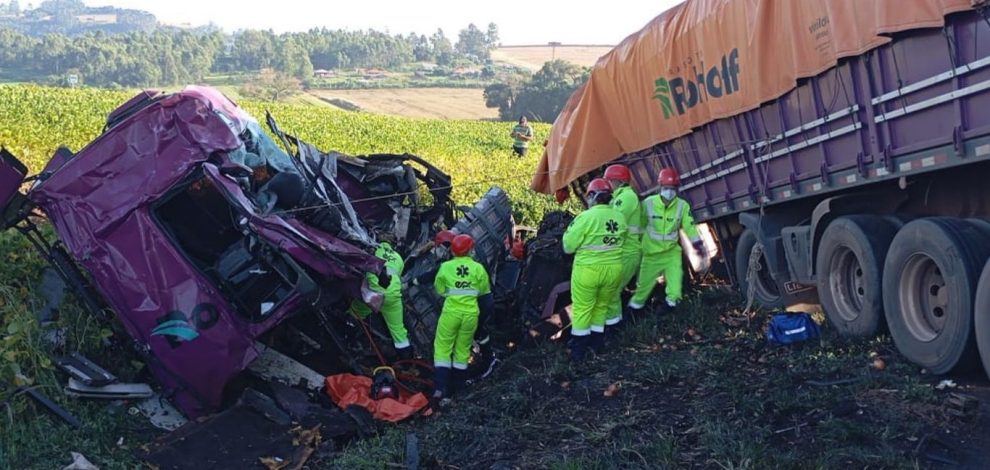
[(981, 317), (850, 273), (766, 291), (929, 284)]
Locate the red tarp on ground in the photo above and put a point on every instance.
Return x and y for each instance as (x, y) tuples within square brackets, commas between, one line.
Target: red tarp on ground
[(349, 389)]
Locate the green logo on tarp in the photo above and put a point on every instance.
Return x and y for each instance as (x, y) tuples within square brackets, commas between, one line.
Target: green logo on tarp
[(662, 93), (681, 94)]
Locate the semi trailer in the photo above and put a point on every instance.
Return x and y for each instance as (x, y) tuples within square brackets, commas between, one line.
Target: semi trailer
[(838, 151)]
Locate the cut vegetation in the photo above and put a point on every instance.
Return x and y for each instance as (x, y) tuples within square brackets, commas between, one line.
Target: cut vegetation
[(439, 103), (533, 57)]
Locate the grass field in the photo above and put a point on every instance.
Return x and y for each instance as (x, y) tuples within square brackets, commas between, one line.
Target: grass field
[(533, 57), (438, 103)]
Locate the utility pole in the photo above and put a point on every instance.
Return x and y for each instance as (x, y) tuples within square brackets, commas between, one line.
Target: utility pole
[(553, 49)]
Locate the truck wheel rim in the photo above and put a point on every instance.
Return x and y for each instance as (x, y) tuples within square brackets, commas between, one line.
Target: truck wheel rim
[(847, 284), (924, 297)]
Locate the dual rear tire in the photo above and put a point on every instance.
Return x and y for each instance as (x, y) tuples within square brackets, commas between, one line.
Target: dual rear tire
[(919, 280)]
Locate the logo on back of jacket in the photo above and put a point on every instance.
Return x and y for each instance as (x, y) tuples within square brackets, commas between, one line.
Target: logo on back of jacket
[(679, 94)]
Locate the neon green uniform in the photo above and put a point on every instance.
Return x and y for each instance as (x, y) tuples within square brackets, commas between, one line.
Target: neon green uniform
[(392, 306), (460, 281), (626, 201), (662, 248), (597, 236)]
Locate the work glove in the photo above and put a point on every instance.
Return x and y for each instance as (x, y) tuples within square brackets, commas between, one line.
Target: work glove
[(384, 280), (699, 248)]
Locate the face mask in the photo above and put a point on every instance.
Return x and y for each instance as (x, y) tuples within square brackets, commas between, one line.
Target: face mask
[(668, 194)]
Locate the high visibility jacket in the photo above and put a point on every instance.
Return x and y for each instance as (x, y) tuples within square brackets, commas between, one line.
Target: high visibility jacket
[(596, 236), (663, 223), (461, 281), (393, 265), (626, 201)]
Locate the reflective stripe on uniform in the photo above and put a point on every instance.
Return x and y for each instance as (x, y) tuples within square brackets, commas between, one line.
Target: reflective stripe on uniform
[(460, 366), (437, 363), (473, 292), (651, 227), (582, 332), (613, 321), (392, 271), (598, 328), (635, 230), (404, 344)]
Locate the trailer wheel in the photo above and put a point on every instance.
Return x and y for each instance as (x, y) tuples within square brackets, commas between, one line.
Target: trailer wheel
[(765, 290), (981, 317), (849, 269), (929, 283)]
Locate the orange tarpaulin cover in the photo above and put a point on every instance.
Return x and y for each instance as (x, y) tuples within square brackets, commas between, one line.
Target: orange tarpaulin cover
[(349, 389), (708, 59)]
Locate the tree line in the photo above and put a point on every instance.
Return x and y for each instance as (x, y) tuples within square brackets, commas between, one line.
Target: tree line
[(539, 97), (172, 56)]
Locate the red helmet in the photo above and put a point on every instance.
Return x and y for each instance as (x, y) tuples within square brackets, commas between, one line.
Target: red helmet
[(599, 185), (461, 245), (444, 237), (618, 172), (668, 177)]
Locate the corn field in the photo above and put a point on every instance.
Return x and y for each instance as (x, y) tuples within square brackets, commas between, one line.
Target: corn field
[(34, 121)]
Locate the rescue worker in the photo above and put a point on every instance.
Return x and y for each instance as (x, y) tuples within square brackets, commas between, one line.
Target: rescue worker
[(595, 237), (665, 216), (626, 201), (391, 310), (461, 280)]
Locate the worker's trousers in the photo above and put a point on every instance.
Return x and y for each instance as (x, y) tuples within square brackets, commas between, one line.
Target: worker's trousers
[(593, 289), (668, 264), (455, 333), (392, 314), (630, 266)]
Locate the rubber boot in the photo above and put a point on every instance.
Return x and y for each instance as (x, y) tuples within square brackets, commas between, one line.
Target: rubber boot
[(441, 380), (578, 346), (612, 331), (597, 343), (458, 379), (405, 353)]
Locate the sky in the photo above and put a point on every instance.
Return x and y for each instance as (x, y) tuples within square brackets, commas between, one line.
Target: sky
[(520, 22)]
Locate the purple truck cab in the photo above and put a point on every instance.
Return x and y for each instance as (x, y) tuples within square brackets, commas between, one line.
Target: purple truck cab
[(180, 247)]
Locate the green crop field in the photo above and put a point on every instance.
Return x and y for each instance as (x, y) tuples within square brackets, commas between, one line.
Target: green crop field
[(35, 121)]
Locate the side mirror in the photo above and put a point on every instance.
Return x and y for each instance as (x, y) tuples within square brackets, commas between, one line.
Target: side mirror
[(236, 170)]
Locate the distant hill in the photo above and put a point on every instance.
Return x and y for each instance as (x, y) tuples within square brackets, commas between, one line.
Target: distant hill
[(533, 57), (73, 18)]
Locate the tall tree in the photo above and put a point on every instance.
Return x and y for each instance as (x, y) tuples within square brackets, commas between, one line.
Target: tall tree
[(491, 37), (443, 51), (473, 41)]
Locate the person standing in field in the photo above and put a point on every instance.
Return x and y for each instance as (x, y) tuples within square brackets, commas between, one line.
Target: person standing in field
[(596, 238), (522, 133)]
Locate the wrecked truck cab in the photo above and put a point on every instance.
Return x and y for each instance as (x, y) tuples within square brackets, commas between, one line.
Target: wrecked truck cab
[(177, 247)]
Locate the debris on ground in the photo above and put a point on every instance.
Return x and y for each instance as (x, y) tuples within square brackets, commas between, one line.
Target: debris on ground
[(79, 462)]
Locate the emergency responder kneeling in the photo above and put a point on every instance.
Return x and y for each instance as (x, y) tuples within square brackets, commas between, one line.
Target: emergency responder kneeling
[(665, 215), (596, 237), (626, 201), (392, 305), (461, 281)]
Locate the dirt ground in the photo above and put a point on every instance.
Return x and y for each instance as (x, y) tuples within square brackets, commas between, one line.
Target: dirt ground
[(533, 57), (696, 389)]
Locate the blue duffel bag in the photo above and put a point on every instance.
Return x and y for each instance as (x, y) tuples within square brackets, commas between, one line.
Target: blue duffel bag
[(790, 328)]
